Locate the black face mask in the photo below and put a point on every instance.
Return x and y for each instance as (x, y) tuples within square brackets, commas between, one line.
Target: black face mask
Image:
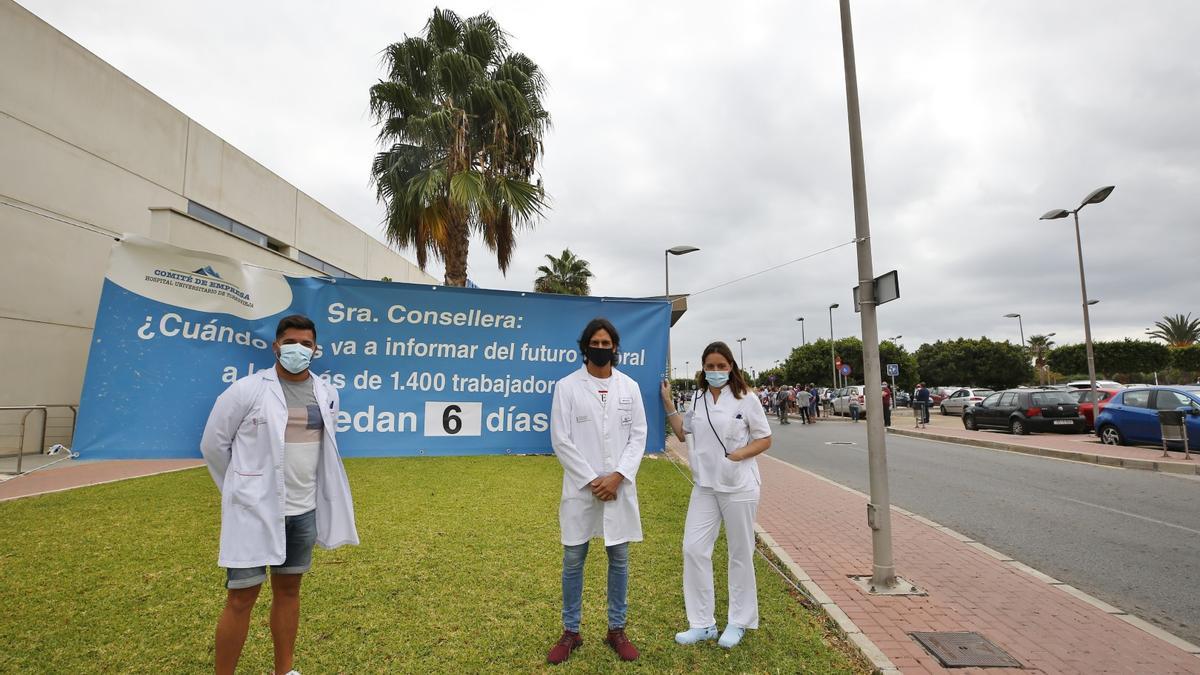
[(599, 356)]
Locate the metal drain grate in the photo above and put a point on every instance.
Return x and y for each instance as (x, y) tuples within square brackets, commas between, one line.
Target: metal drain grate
[(965, 650), (840, 443)]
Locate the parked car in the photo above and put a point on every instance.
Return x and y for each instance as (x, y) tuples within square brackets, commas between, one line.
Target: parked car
[(1100, 384), (937, 394), (841, 401), (1132, 415), (959, 401), (1083, 396), (1024, 410), (903, 399)]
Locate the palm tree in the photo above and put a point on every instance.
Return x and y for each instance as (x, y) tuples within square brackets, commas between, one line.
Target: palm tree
[(1038, 347), (1178, 330), (462, 119), (566, 275)]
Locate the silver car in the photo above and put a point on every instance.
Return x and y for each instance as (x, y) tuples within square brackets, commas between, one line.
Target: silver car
[(964, 398), (841, 404)]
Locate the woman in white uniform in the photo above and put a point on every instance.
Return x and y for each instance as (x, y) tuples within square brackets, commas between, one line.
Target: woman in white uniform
[(728, 429)]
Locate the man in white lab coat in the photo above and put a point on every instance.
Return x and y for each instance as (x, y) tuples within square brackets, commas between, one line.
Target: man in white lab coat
[(270, 447), (598, 430)]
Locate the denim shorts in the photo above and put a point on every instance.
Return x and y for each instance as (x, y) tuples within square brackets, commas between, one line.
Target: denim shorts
[(300, 533)]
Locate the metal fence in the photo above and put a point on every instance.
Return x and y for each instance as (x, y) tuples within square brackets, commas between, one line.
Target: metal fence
[(31, 429)]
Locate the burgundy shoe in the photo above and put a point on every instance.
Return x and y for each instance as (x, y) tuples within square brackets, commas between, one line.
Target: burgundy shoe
[(562, 649), (621, 644)]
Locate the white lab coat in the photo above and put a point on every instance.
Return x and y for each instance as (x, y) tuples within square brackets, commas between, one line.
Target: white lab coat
[(243, 447), (591, 440), (738, 421)]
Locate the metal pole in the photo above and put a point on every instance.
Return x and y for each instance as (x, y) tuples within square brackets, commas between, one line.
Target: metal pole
[(879, 511), (1021, 325), (832, 356), (803, 340), (667, 294), (1087, 322)]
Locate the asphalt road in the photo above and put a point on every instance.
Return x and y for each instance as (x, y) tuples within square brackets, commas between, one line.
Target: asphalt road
[(1129, 537)]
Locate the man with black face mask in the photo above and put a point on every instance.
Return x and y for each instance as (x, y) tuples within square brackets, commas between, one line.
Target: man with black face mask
[(598, 430)]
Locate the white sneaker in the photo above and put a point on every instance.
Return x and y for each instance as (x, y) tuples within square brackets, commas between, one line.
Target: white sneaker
[(693, 635), (731, 637)]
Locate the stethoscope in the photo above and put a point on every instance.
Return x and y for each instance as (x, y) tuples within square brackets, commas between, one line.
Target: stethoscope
[(704, 396)]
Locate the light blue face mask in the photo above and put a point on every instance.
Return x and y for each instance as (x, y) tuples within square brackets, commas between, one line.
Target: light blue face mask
[(295, 357), (716, 378)]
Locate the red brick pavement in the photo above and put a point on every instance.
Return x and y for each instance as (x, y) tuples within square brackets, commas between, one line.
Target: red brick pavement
[(822, 528), (79, 474)]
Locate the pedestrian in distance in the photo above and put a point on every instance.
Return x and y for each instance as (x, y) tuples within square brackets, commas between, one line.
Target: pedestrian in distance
[(598, 432), (921, 404), (887, 404), (803, 404), (855, 409), (781, 405), (728, 430), (814, 402), (270, 445)]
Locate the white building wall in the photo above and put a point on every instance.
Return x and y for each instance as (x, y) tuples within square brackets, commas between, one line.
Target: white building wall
[(86, 153)]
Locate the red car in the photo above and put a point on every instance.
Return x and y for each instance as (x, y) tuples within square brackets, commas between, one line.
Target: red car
[(1085, 405)]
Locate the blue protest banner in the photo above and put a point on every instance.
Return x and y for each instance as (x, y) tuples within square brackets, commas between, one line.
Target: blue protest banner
[(421, 370)]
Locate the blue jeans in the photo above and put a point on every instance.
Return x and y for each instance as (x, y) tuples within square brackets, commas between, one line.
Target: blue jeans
[(572, 584), (853, 413)]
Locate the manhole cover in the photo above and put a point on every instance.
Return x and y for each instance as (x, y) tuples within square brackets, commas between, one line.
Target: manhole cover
[(840, 443), (965, 650)]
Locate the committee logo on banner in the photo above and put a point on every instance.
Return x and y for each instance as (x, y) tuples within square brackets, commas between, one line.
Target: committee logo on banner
[(195, 280)]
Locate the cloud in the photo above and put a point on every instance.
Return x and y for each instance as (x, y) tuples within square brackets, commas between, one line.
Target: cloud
[(723, 126)]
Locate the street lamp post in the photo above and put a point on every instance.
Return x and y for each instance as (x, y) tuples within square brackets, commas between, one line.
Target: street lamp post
[(741, 351), (803, 340), (1098, 195), (1019, 325), (674, 250), (832, 356)]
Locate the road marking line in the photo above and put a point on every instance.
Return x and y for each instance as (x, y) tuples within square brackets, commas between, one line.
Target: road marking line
[(1133, 515)]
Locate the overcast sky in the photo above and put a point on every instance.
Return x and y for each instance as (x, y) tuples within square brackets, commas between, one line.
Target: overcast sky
[(723, 125)]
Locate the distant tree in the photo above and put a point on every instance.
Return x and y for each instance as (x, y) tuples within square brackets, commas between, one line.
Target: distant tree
[(567, 274), (1112, 357), (1038, 347), (811, 363), (1177, 331), (462, 121), (980, 362), (1186, 359)]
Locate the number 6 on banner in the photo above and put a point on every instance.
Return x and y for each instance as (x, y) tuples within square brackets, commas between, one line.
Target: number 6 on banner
[(453, 419)]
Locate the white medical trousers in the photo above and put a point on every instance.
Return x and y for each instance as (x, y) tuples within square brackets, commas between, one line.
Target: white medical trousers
[(707, 509)]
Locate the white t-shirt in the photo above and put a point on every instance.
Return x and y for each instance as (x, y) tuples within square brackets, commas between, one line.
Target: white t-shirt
[(721, 426), (301, 446)]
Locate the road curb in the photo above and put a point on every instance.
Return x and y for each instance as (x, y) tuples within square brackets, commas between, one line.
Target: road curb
[(1069, 455), (845, 626), (865, 643)]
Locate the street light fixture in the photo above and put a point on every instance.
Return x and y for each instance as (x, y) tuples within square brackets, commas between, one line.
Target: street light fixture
[(674, 250), (832, 356), (1098, 195), (1092, 302), (1019, 325), (803, 340)]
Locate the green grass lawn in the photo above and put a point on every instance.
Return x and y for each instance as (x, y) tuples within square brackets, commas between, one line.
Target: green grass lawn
[(458, 572)]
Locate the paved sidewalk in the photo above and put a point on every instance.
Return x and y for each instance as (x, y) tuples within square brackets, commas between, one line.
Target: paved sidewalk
[(74, 473), (1076, 447), (819, 528)]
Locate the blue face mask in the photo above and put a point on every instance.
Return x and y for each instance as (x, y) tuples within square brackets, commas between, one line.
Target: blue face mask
[(295, 358), (716, 378)]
